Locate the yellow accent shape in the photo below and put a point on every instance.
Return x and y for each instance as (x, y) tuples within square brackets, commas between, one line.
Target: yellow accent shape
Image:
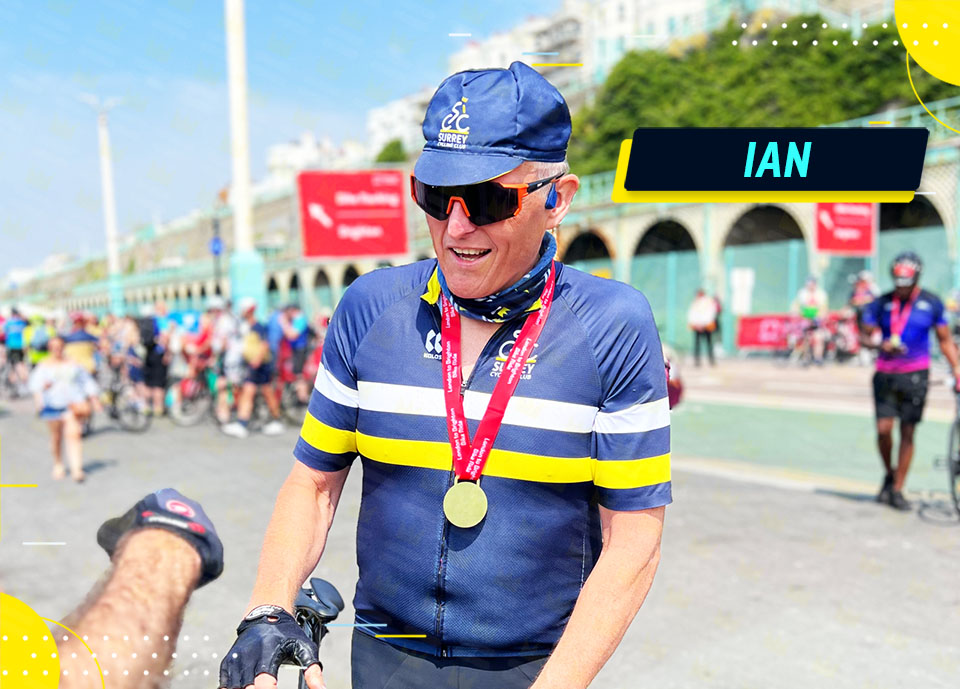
[(24, 656), (621, 195), (631, 473), (432, 295), (942, 59), (15, 485), (327, 438), (89, 650), (910, 79)]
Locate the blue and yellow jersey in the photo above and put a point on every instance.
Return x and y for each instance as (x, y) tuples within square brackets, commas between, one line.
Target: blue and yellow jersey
[(588, 425)]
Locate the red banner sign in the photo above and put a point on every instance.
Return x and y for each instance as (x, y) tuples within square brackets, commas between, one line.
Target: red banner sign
[(764, 332), (781, 331), (353, 213), (847, 229)]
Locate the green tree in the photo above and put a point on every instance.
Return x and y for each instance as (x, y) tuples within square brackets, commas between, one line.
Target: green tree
[(392, 152), (742, 85)]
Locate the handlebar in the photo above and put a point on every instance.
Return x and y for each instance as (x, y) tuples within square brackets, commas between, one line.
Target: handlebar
[(315, 607)]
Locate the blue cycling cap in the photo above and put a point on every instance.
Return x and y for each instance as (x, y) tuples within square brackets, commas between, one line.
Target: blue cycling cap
[(481, 124)]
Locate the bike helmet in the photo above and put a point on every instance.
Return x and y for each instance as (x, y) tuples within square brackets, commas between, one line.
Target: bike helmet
[(906, 269)]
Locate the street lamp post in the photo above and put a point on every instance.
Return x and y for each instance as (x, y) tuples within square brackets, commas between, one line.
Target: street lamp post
[(114, 284), (246, 264)]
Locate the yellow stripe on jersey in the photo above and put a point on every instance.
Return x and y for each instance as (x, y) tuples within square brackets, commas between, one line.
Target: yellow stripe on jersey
[(634, 473), (326, 438)]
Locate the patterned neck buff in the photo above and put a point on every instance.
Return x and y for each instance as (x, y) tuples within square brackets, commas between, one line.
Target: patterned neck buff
[(511, 302)]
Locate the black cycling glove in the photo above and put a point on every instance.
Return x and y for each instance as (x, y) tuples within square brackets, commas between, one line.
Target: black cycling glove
[(167, 509), (267, 637)]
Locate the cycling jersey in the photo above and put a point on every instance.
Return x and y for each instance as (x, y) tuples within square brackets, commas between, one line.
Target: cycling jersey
[(926, 313), (81, 347), (588, 425), (13, 329)]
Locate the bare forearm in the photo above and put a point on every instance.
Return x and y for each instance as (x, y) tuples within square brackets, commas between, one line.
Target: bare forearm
[(133, 621), (294, 541), (608, 602), (949, 350)]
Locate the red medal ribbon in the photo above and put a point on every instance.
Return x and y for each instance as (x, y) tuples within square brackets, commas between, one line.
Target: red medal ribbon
[(898, 319), (470, 458)]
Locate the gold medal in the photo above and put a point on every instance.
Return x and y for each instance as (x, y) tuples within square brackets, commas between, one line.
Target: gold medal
[(895, 340), (465, 504)]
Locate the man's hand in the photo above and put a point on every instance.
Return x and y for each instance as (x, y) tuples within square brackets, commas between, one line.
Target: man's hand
[(890, 348), (169, 510), (267, 637)]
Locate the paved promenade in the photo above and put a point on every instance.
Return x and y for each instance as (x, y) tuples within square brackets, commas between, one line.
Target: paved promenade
[(778, 570)]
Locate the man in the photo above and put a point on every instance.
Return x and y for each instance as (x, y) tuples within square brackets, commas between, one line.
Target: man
[(13, 331), (161, 550), (864, 291), (36, 337), (80, 345), (228, 351), (537, 560), (156, 362), (289, 333), (811, 306), (259, 374), (702, 319), (905, 318)]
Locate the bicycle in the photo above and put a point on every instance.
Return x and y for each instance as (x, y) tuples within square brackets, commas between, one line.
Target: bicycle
[(193, 397), (953, 457), (123, 403), (315, 607)]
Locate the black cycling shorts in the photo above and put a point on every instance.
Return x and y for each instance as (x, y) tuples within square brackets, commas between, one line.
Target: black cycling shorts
[(15, 356), (901, 395), (154, 369), (299, 358)]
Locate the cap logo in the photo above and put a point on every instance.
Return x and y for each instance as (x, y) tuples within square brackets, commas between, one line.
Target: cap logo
[(180, 508), (452, 132)]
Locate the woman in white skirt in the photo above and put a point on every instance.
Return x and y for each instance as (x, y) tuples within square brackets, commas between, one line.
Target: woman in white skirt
[(63, 391)]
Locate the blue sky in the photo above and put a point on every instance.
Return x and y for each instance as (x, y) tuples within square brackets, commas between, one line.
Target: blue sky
[(311, 64)]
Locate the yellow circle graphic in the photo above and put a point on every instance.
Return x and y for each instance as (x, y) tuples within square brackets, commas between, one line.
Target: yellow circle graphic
[(930, 31), (28, 653)]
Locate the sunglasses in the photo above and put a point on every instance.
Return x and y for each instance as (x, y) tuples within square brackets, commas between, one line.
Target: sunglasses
[(484, 203)]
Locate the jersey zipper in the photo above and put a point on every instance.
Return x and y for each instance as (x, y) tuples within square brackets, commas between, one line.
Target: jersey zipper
[(438, 626)]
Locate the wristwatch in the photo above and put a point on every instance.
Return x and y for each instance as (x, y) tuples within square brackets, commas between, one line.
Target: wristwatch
[(264, 611)]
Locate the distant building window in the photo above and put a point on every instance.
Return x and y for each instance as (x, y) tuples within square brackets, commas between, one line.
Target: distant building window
[(651, 28), (602, 49), (621, 12), (672, 25), (686, 25), (620, 46)]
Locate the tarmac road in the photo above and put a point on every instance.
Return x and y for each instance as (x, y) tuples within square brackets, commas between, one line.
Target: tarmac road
[(771, 575)]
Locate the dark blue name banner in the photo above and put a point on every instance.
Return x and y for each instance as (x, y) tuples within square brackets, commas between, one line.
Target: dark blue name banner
[(764, 164)]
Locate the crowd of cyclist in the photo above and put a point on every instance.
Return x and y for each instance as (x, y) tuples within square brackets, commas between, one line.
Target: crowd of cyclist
[(151, 353)]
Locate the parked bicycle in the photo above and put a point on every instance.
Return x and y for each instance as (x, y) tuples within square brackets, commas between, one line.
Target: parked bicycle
[(953, 457), (123, 403)]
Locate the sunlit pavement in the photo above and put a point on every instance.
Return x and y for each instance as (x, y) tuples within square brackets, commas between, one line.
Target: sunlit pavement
[(777, 569)]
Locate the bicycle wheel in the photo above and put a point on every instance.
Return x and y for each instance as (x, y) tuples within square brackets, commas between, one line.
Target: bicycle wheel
[(290, 405), (190, 401), (132, 412), (953, 464), (260, 415)]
